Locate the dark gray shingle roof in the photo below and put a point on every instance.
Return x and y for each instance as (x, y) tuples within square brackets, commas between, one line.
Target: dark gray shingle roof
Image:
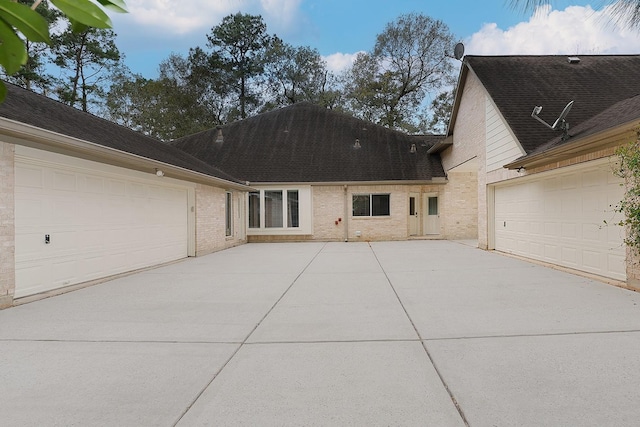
[(37, 110), (519, 83), (625, 111), (307, 143)]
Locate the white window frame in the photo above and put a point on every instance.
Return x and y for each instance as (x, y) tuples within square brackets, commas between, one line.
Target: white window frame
[(304, 211), (228, 214)]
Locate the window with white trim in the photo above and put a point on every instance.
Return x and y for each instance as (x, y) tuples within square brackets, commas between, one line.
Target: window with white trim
[(280, 209), (228, 208), (371, 205)]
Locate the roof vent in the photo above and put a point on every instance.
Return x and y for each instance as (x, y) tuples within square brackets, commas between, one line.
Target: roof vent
[(357, 144), (573, 60), (219, 137)]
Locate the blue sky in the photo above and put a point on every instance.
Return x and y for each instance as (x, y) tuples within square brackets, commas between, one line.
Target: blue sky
[(339, 29)]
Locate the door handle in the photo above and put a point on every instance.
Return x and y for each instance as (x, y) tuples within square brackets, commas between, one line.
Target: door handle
[(47, 239)]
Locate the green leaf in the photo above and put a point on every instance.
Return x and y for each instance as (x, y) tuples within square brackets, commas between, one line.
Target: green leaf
[(85, 12), (78, 27), (27, 21), (114, 5), (13, 53), (3, 91)]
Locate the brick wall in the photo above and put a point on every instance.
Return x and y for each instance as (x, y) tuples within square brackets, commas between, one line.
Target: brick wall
[(393, 227), (469, 142), (461, 206), (7, 225), (328, 207), (210, 220)]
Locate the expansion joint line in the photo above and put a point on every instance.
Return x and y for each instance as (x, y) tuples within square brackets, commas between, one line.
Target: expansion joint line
[(424, 345), (244, 341)]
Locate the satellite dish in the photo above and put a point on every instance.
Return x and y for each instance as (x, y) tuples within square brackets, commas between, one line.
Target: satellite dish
[(559, 124), (561, 119), (458, 51)]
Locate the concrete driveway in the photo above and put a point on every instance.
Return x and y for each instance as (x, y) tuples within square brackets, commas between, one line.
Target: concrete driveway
[(424, 333)]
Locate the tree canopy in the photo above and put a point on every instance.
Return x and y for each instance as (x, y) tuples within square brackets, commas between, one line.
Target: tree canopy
[(410, 59), (22, 23), (242, 70)]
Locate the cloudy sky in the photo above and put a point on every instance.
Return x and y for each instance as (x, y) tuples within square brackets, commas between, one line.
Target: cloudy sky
[(339, 29)]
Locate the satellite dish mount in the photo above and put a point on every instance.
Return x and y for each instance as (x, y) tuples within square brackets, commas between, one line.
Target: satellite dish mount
[(560, 123)]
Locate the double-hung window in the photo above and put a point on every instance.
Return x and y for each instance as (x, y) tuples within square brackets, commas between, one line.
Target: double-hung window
[(371, 205)]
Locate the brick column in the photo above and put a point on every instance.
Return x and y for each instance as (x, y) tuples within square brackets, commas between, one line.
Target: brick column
[(7, 225)]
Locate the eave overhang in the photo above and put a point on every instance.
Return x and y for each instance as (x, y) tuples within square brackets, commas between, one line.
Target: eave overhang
[(441, 145), (432, 181), (580, 146), (35, 137)]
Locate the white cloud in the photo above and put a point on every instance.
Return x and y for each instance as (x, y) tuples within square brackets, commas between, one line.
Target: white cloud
[(574, 30), (184, 17), (338, 62), (175, 17), (281, 14)]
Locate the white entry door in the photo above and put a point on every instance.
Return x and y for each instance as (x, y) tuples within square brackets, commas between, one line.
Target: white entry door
[(414, 219), (432, 217), (78, 221)]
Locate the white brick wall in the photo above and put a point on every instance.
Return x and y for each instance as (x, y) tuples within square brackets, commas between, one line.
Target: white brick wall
[(328, 207), (210, 220), (469, 142), (461, 206), (7, 225)]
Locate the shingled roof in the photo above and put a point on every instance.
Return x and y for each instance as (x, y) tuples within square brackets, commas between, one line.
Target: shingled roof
[(308, 143), (37, 110), (519, 83)]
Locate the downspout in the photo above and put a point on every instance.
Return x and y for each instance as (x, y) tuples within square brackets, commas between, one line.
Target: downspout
[(346, 214)]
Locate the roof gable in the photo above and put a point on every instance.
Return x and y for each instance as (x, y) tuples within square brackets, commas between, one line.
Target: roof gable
[(519, 83), (308, 143)]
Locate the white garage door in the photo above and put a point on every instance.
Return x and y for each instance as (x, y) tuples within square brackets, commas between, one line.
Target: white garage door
[(560, 218), (98, 220)]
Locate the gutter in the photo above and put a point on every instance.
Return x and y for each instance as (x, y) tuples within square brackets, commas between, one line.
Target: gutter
[(35, 137), (441, 145), (432, 181), (606, 139)]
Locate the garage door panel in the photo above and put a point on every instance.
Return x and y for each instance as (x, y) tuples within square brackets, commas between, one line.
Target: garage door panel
[(591, 233), (552, 229), (570, 256), (594, 178), (569, 230), (99, 225), (575, 205), (537, 249), (551, 252)]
